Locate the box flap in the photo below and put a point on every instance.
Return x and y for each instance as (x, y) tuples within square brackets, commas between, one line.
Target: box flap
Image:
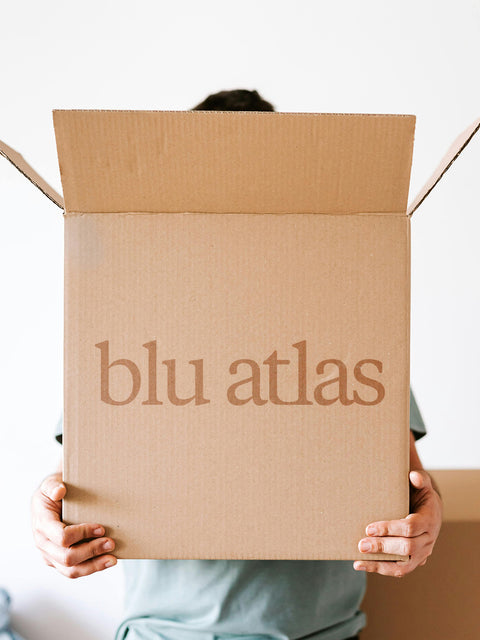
[(452, 154), (29, 172), (233, 162)]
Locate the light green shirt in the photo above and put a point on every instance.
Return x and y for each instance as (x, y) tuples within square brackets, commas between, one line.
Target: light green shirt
[(254, 599)]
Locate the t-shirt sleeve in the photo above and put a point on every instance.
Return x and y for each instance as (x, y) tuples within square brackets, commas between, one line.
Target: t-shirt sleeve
[(417, 425), (59, 429)]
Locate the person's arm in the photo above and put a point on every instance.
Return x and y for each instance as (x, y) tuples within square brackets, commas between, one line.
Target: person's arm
[(74, 550), (413, 536)]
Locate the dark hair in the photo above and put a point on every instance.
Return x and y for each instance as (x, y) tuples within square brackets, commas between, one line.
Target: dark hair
[(234, 100)]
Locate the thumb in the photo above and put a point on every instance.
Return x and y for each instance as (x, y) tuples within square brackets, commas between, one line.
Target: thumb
[(54, 489), (418, 478)]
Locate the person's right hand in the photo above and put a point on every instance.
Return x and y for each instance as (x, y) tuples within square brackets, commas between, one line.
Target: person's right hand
[(75, 550)]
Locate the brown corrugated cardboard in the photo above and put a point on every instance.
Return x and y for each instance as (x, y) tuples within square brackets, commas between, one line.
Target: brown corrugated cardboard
[(29, 172), (227, 293), (236, 384), (202, 298), (233, 162), (449, 158), (460, 489), (439, 600)]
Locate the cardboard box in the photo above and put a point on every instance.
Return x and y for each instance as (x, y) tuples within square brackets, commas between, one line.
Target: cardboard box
[(237, 299), (440, 599)]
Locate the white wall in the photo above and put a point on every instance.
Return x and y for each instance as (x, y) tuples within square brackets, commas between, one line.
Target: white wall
[(372, 56)]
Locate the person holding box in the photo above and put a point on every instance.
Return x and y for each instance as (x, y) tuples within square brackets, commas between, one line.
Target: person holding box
[(253, 599)]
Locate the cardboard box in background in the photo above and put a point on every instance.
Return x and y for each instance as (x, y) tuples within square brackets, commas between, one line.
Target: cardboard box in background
[(440, 600), (237, 290)]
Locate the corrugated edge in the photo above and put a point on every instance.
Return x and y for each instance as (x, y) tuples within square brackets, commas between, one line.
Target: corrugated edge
[(70, 436), (244, 113), (408, 298), (452, 154), (65, 506), (29, 172), (391, 214)]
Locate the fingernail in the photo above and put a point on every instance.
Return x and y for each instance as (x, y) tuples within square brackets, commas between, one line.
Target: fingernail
[(110, 563), (365, 545), (372, 531), (359, 567), (98, 532), (108, 545)]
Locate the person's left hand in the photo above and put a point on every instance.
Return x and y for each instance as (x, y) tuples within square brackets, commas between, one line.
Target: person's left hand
[(413, 536)]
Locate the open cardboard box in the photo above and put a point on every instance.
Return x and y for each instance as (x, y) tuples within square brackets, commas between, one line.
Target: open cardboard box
[(237, 314)]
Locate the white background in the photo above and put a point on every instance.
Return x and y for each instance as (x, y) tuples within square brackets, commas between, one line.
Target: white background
[(378, 57)]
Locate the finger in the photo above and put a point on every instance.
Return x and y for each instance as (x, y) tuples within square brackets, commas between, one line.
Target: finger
[(47, 519), (395, 569), (65, 535), (76, 554), (88, 567), (413, 525), (47, 560), (395, 545)]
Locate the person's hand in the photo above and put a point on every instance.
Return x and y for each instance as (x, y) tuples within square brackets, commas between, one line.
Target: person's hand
[(413, 536), (75, 550)]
